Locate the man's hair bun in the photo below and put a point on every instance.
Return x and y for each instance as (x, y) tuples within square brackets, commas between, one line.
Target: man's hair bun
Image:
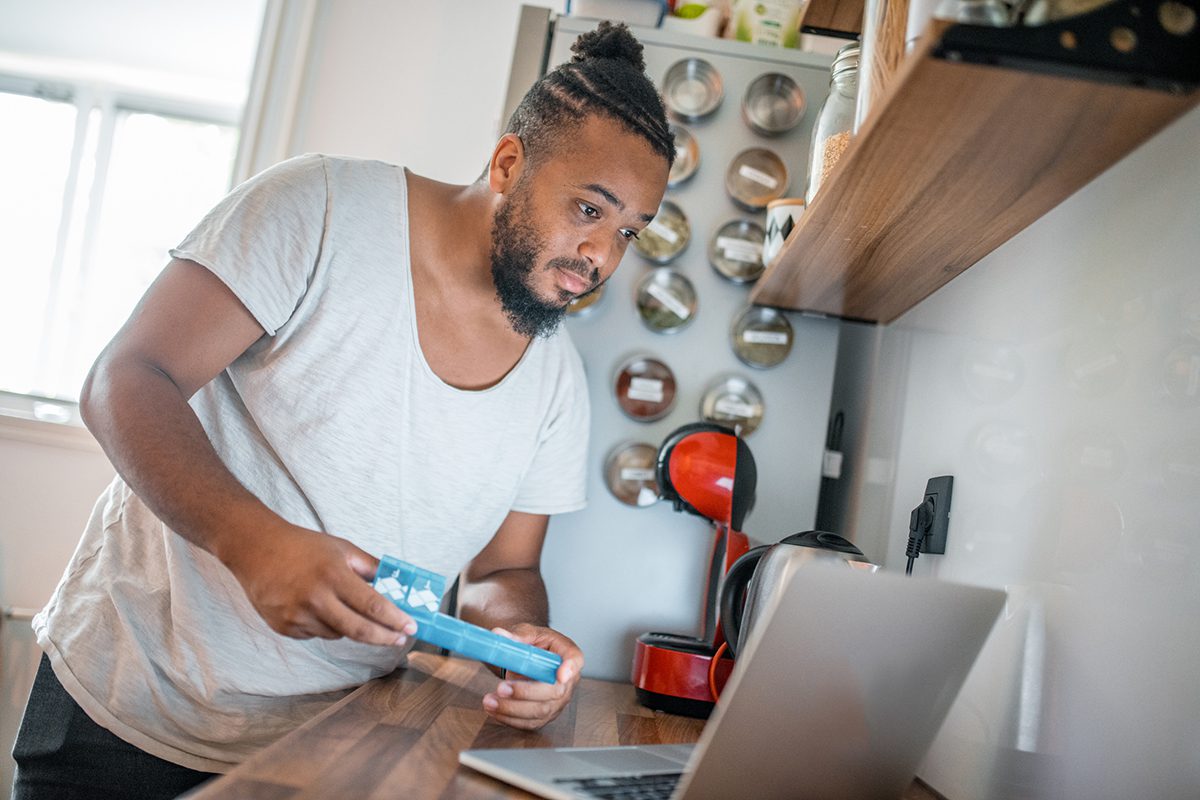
[(610, 41), (606, 76)]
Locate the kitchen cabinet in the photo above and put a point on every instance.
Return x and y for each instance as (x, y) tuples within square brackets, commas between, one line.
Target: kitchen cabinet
[(958, 158)]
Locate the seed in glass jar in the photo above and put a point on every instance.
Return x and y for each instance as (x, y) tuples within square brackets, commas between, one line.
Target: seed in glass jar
[(834, 147)]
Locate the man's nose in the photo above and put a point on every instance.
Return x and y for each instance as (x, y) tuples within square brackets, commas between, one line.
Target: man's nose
[(597, 250)]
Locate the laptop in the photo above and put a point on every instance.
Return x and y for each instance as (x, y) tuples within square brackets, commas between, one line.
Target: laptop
[(841, 687)]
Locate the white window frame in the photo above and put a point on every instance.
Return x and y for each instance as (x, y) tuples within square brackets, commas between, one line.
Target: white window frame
[(266, 124), (98, 105)]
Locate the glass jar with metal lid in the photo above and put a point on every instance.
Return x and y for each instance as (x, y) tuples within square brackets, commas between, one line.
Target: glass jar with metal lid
[(629, 472), (733, 401), (666, 300), (736, 250), (773, 104), (755, 177), (761, 337), (666, 236), (692, 89), (644, 388), (687, 155), (835, 120)]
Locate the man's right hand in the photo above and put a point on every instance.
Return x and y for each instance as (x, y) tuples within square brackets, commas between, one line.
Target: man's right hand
[(186, 330), (307, 584)]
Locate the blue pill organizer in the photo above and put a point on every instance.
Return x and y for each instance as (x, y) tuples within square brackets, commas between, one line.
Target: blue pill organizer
[(419, 593)]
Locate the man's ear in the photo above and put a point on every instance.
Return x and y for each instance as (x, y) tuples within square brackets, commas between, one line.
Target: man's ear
[(508, 161)]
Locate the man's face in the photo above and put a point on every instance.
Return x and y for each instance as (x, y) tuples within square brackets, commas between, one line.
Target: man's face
[(562, 229)]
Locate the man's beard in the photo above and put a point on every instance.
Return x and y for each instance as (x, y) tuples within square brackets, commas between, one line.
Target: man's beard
[(516, 248)]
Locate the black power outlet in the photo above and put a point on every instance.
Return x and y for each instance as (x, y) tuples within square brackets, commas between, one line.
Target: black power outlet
[(938, 490)]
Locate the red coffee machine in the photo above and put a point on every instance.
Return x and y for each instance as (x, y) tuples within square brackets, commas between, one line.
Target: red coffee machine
[(706, 470)]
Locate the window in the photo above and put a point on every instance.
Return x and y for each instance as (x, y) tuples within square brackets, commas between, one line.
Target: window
[(102, 174)]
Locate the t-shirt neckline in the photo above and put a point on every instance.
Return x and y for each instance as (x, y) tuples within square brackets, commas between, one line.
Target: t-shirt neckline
[(411, 300)]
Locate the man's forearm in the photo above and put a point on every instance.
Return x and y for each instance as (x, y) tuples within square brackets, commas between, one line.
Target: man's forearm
[(159, 447), (504, 598)]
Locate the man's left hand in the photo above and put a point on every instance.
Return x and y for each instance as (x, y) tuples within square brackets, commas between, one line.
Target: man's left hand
[(529, 704)]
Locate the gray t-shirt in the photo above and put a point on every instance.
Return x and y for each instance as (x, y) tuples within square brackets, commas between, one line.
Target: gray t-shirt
[(336, 421)]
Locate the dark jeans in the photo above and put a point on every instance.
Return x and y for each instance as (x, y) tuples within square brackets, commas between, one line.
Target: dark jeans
[(62, 755)]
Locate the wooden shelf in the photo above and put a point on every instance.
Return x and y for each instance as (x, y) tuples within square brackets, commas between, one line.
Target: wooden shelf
[(956, 160), (842, 18)]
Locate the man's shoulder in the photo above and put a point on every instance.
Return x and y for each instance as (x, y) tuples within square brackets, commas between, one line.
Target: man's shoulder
[(354, 165), (331, 170)]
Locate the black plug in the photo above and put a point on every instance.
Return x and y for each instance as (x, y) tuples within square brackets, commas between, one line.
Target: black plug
[(929, 522), (920, 521)]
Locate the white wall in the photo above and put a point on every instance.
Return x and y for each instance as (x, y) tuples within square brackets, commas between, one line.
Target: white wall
[(49, 480), (1058, 380), (414, 83)]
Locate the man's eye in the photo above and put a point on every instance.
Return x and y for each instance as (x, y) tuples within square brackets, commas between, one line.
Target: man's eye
[(629, 234), (589, 211)]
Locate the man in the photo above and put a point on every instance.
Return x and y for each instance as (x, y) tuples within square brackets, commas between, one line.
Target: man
[(343, 359)]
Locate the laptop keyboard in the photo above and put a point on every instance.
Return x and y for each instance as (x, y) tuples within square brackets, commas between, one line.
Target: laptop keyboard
[(658, 786)]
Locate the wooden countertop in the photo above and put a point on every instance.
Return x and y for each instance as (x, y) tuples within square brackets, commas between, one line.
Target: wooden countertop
[(400, 736)]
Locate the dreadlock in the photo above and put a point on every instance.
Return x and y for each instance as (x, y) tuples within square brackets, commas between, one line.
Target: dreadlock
[(607, 76)]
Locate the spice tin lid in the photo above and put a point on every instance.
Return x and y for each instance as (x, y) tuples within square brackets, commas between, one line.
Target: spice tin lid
[(735, 250), (756, 177), (773, 104), (629, 472), (733, 401), (584, 304), (666, 236), (687, 155), (666, 300), (644, 388), (761, 337), (692, 89)]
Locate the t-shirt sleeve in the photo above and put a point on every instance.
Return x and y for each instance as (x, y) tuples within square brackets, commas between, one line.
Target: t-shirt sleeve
[(264, 239), (556, 481)]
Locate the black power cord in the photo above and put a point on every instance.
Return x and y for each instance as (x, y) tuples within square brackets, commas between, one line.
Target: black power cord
[(919, 524)]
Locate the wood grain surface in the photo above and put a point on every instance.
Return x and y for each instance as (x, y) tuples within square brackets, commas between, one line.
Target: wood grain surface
[(829, 16), (399, 737), (956, 160), (884, 25)]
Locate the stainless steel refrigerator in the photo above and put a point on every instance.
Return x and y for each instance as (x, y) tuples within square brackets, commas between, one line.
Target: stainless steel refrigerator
[(616, 570)]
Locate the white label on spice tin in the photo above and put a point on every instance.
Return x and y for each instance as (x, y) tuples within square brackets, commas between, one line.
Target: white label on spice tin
[(669, 300), (740, 250), (648, 389), (734, 408), (637, 474), (662, 231), (765, 337), (758, 176)]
